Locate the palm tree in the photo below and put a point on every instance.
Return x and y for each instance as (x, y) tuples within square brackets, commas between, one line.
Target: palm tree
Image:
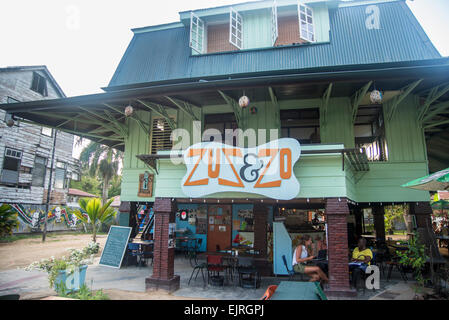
[(102, 161), (96, 213)]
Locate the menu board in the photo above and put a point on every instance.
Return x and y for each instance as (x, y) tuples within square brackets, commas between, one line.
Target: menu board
[(115, 246)]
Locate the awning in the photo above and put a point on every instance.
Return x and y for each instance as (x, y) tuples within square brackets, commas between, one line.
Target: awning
[(434, 182), (101, 117)]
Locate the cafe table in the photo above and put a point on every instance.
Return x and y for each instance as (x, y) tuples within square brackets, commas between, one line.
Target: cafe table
[(295, 290)]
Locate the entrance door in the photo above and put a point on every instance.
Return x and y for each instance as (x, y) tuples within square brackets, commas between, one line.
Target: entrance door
[(219, 227)]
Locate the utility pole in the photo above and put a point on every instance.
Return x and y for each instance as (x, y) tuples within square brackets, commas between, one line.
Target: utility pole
[(47, 204)]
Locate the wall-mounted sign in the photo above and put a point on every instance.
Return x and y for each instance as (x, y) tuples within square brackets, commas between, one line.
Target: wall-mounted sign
[(145, 185), (265, 170)]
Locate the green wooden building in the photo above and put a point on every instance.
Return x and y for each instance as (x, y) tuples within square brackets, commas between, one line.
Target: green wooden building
[(312, 71)]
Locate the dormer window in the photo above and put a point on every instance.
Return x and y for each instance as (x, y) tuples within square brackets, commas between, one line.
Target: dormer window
[(275, 25)]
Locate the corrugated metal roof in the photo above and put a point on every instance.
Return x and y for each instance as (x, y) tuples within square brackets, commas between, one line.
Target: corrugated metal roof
[(165, 54)]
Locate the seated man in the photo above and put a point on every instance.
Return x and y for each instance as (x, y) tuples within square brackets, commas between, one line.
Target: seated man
[(360, 254)]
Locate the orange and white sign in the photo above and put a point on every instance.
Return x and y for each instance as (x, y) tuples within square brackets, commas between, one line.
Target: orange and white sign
[(265, 170)]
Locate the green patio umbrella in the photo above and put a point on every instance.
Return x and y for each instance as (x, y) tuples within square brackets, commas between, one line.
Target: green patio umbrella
[(435, 182)]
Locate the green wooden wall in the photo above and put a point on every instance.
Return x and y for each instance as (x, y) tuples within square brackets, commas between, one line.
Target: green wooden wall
[(319, 176)]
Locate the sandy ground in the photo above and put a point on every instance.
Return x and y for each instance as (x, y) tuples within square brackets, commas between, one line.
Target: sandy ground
[(21, 253)]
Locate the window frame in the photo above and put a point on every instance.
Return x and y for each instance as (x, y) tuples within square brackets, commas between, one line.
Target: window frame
[(36, 83), (238, 16), (47, 135), (33, 183), (274, 23), (301, 21), (197, 26), (167, 132), (61, 166)]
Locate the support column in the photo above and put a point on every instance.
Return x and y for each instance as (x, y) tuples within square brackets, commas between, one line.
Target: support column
[(260, 229), (379, 222), (336, 215), (163, 277)]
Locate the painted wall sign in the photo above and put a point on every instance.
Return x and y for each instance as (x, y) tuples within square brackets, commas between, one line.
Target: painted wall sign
[(264, 170)]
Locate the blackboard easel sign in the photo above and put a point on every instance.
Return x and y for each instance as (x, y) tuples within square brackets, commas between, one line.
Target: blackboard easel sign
[(115, 246)]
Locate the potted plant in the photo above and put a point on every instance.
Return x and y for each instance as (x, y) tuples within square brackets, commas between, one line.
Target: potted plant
[(67, 274)]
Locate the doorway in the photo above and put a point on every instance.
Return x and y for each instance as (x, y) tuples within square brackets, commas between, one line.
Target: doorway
[(219, 227)]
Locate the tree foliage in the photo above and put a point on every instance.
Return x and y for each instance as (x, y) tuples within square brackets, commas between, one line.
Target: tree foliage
[(8, 220), (392, 214), (102, 162)]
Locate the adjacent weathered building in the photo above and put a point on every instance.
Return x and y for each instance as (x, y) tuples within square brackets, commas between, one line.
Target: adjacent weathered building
[(26, 149)]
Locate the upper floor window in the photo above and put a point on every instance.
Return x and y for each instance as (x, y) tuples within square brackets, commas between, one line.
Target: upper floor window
[(215, 126), (302, 125), (47, 131), (369, 133), (236, 29), (11, 166), (160, 136), (60, 175), (306, 27), (39, 170), (220, 34), (39, 84)]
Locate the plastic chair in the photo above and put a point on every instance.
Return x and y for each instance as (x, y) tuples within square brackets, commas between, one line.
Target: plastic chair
[(269, 293), (214, 267)]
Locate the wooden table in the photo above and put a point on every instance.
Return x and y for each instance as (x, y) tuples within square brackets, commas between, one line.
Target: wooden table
[(294, 290)]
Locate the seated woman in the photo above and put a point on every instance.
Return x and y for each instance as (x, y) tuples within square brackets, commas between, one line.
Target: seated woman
[(362, 255), (301, 257)]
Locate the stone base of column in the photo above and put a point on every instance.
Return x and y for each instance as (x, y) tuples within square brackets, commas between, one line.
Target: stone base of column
[(336, 293), (170, 285)]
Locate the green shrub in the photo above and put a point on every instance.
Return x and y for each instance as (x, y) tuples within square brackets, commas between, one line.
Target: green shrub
[(8, 220)]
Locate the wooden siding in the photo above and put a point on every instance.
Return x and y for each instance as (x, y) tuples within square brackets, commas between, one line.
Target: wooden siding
[(29, 139)]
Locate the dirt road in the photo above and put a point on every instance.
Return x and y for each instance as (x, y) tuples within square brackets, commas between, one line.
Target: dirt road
[(21, 253)]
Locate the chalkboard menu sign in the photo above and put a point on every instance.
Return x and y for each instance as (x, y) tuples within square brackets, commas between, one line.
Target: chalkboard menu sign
[(115, 246)]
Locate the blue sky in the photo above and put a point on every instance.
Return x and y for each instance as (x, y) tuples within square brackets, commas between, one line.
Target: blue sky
[(83, 41)]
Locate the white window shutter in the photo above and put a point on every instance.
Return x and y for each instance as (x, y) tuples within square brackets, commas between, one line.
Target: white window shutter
[(197, 34), (306, 23), (274, 23), (236, 29)]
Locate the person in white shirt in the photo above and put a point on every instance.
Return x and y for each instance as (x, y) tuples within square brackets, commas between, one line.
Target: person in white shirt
[(301, 257)]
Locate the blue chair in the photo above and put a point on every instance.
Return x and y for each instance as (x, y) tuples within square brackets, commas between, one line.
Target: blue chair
[(134, 251), (291, 273)]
